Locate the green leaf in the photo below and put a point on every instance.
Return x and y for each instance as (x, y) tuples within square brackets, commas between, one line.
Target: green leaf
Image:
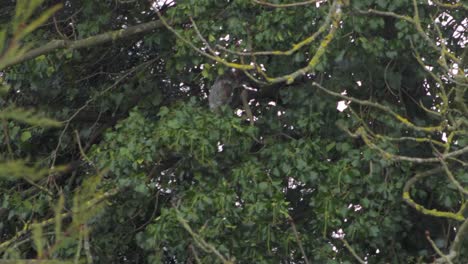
[(263, 186), (330, 146), (211, 38), (25, 136)]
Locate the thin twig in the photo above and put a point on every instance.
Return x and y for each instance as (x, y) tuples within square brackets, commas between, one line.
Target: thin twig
[(351, 250), (86, 104), (437, 250), (452, 178), (194, 253), (451, 6), (212, 57), (298, 240), (457, 241), (285, 5), (200, 36), (382, 108), (207, 247), (325, 25)]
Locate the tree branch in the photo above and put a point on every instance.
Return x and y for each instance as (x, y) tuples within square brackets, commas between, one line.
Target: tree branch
[(352, 251), (407, 198), (455, 248), (386, 109), (87, 42), (285, 5)]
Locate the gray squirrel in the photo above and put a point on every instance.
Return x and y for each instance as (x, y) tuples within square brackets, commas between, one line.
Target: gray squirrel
[(228, 89), (224, 89)]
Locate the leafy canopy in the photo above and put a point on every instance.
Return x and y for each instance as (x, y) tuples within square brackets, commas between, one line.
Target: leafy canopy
[(111, 154)]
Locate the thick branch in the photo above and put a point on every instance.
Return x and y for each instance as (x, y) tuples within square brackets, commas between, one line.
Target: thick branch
[(407, 198), (87, 42)]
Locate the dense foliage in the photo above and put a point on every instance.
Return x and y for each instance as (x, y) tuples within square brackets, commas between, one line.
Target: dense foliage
[(110, 153)]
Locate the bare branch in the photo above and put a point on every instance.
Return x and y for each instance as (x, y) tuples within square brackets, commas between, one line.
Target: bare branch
[(437, 250), (351, 250), (407, 198), (365, 137), (385, 13), (296, 47), (285, 5), (451, 6), (456, 244), (289, 78), (298, 240), (384, 109), (212, 57), (85, 43), (207, 247), (335, 14), (200, 36), (452, 178)]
